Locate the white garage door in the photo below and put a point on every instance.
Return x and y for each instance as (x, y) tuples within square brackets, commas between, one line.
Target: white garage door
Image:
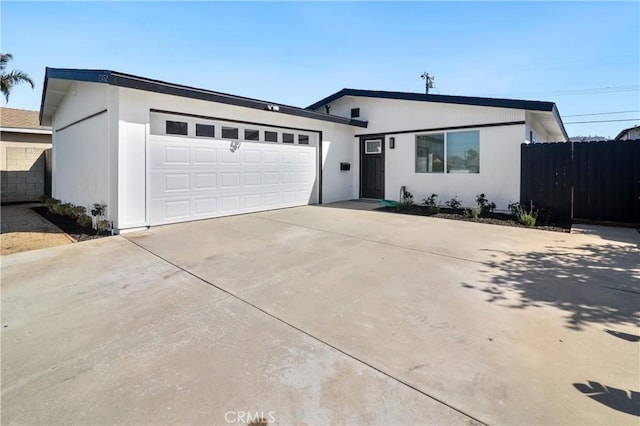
[(193, 178)]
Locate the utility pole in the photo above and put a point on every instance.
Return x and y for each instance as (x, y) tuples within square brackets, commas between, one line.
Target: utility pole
[(428, 81)]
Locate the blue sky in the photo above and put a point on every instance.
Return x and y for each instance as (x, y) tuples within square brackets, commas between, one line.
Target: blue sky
[(585, 56)]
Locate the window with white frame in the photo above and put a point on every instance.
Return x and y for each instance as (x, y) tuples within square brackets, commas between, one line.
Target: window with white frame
[(463, 152), (373, 146), (451, 152), (430, 153)]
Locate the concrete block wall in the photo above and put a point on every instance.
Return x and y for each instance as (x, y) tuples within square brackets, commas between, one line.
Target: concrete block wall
[(23, 177)]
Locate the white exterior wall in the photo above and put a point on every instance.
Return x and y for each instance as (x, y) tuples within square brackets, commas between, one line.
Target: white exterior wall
[(134, 133), (80, 173), (386, 115), (499, 177), (80, 154)]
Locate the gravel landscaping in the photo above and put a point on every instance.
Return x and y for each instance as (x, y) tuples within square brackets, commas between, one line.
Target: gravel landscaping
[(70, 226), (491, 218)]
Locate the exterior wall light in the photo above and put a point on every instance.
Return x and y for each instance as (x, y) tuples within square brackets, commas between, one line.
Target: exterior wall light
[(392, 143)]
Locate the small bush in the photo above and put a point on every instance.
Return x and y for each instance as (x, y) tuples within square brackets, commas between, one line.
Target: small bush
[(527, 218), (513, 209), (406, 199), (474, 212), (103, 225), (84, 220), (78, 211), (67, 209), (431, 204), (453, 203), (484, 205), (53, 205), (98, 209)]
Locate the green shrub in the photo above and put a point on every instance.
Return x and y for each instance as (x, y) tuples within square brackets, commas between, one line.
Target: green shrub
[(431, 204), (406, 199), (53, 205), (84, 220), (78, 211), (98, 209), (66, 209), (453, 203), (484, 205), (474, 212), (103, 225), (527, 218), (513, 209)]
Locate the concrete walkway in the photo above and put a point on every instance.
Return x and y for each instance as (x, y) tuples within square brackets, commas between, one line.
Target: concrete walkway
[(324, 315), (24, 230)]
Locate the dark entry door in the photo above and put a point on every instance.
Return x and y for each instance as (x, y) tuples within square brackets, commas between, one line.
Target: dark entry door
[(372, 167)]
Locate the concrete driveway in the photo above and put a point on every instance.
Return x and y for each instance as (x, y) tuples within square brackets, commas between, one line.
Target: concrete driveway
[(325, 315)]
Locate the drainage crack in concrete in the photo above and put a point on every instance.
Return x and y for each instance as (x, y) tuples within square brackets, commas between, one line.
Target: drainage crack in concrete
[(290, 325)]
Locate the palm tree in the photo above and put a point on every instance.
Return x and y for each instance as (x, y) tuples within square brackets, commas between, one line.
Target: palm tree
[(10, 79)]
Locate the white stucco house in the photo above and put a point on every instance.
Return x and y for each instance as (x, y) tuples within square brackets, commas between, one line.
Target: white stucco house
[(159, 153)]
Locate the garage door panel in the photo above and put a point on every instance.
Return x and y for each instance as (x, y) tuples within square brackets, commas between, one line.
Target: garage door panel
[(229, 157), (194, 179), (271, 178), (288, 177), (231, 203), (177, 209), (252, 178), (271, 157), (205, 206), (230, 179), (288, 197), (205, 181), (250, 156), (288, 157), (205, 156), (251, 201), (270, 199)]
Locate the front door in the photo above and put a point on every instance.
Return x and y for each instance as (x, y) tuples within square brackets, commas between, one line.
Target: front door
[(372, 167)]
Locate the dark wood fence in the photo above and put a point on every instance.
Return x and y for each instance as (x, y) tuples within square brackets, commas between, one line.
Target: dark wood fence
[(598, 181)]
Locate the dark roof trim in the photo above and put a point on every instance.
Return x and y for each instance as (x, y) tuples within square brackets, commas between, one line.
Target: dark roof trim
[(556, 115), (623, 132), (88, 117), (462, 100), (440, 129), (140, 83)]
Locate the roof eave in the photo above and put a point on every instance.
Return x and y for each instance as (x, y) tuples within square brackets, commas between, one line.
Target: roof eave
[(422, 97), (140, 83)]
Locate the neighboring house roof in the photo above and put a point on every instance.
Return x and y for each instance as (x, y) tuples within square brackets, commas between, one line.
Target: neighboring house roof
[(21, 120), (631, 133), (448, 99), (57, 76)]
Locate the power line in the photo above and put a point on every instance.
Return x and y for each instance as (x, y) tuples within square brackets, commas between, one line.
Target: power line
[(603, 113), (587, 91), (601, 121)]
